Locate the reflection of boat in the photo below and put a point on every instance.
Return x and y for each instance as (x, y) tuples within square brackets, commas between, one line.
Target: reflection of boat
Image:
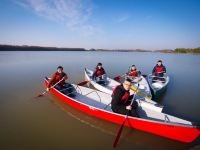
[(111, 84), (158, 84), (93, 102)]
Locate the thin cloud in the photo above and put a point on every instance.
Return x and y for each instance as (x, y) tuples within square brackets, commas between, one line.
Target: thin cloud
[(122, 18), (76, 14)]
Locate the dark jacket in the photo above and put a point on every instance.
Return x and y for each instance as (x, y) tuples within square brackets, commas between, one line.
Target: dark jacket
[(118, 102)]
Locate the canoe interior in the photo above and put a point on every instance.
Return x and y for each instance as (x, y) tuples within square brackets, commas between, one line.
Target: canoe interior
[(111, 84), (158, 86), (100, 100)]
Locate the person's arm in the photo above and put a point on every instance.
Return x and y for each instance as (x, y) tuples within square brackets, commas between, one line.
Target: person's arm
[(51, 80), (139, 73), (154, 69), (128, 72), (116, 100), (104, 72), (65, 77), (164, 69), (130, 97), (94, 75)]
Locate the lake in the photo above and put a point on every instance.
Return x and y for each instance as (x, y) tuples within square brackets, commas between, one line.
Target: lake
[(48, 123)]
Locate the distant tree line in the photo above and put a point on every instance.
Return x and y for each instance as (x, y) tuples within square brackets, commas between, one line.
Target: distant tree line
[(36, 48), (187, 50)]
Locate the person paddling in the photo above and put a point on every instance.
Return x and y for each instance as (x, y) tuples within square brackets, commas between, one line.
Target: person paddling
[(134, 74), (121, 99), (60, 77), (99, 74)]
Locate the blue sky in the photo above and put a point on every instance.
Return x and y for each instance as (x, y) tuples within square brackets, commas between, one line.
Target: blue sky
[(108, 24)]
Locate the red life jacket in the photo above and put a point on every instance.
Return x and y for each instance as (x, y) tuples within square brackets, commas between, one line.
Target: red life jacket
[(133, 74), (159, 69), (57, 77), (125, 97), (99, 72)]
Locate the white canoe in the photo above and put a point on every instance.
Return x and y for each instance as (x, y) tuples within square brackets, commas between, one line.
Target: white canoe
[(111, 84), (159, 85), (143, 87)]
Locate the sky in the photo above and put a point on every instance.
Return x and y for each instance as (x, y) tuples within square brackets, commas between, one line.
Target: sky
[(103, 24)]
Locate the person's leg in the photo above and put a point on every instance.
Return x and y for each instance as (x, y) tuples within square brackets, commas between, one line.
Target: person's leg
[(122, 111), (58, 87), (133, 113), (154, 79), (97, 79)]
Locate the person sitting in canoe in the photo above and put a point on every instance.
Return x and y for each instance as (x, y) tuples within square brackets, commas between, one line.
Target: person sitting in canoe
[(121, 99), (99, 74), (159, 71), (58, 79), (134, 74)]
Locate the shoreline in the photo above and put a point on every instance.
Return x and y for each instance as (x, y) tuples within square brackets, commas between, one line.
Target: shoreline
[(41, 48)]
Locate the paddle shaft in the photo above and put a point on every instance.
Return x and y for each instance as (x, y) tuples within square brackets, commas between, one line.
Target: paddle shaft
[(43, 93), (122, 125), (56, 83)]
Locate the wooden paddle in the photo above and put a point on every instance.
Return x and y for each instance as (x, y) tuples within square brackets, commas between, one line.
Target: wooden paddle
[(117, 78), (140, 93), (83, 83), (122, 125), (43, 93)]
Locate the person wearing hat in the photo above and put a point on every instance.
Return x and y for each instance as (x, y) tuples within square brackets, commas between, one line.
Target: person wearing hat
[(134, 74), (58, 79), (99, 74), (121, 99), (159, 69)]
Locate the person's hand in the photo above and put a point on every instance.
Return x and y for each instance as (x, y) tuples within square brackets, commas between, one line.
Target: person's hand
[(47, 89), (132, 92), (129, 107)]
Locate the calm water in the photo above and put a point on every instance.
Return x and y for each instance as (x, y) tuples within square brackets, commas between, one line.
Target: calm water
[(47, 123)]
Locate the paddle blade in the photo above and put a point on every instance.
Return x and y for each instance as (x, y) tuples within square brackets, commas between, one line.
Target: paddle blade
[(40, 95), (118, 134), (117, 78), (83, 83)]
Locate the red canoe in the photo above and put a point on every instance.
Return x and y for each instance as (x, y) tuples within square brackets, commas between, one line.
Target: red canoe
[(96, 103)]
